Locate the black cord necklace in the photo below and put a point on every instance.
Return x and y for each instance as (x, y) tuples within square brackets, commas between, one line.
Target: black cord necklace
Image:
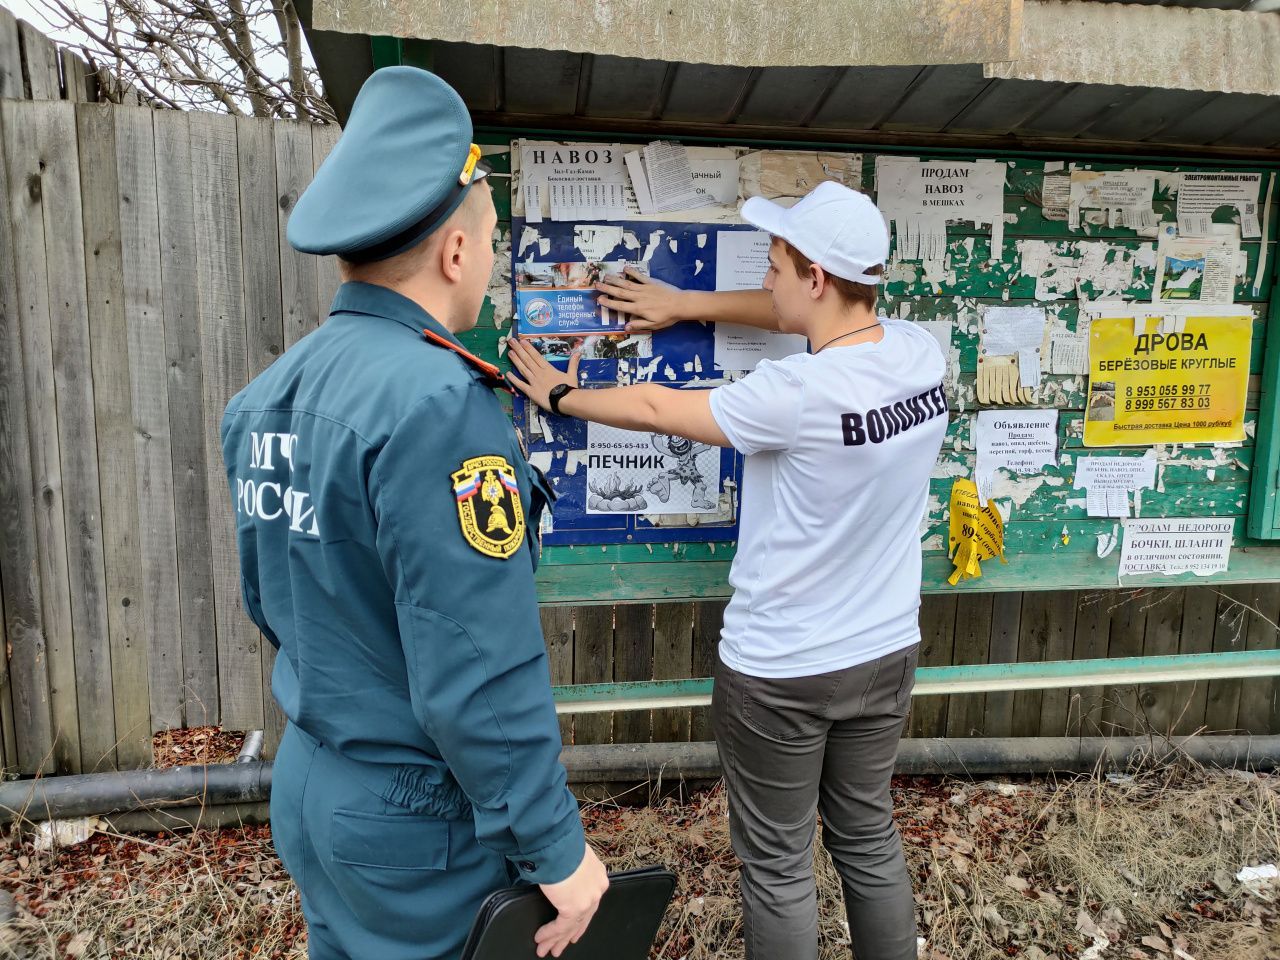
[(843, 335)]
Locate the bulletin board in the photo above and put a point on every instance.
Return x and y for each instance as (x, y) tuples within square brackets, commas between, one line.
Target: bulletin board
[(1148, 251), (576, 217)]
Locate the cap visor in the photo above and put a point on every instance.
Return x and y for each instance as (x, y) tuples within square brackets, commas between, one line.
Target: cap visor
[(481, 171), (765, 214)]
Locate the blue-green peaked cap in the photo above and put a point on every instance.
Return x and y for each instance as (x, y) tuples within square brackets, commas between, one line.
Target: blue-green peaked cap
[(395, 174)]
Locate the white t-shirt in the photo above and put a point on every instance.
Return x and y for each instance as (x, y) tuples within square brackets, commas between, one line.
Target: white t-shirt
[(839, 447)]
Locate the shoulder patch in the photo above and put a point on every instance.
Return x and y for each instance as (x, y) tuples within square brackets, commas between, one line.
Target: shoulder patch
[(489, 509)]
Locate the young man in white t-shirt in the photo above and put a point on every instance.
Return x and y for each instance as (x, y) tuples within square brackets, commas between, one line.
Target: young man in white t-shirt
[(818, 652)]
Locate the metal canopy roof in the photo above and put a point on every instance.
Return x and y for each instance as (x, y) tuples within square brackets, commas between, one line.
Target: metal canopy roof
[(937, 105)]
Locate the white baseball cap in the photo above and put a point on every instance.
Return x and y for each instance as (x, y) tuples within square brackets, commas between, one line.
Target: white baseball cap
[(839, 229)]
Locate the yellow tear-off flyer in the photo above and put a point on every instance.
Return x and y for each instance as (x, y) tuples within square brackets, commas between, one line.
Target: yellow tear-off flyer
[(976, 533), (1158, 380)]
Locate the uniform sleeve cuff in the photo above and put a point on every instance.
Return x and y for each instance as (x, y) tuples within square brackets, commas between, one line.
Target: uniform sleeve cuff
[(557, 860)]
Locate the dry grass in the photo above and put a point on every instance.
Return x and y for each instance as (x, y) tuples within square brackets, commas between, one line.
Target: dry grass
[(1147, 863)]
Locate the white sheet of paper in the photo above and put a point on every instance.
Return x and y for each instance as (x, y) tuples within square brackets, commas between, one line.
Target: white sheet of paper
[(715, 178), (1124, 195), (741, 348), (940, 330), (666, 167), (545, 163), (1017, 331), (633, 472), (1055, 195), (1020, 441), (1172, 545), (742, 259), (919, 197), (1068, 352), (1108, 481), (1200, 194)]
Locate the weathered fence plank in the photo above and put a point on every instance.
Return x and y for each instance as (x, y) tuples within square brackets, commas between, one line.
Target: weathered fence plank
[(1222, 700), (1055, 705), (113, 412), (557, 633), (299, 292), (1199, 608), (1093, 630), (1258, 695), (77, 428), (41, 59), (23, 620), (27, 147), (327, 279), (1120, 713), (593, 659), (633, 660), (10, 58), (1006, 621), (1156, 702), (965, 711), (928, 717), (672, 660), (264, 330), (79, 82), (708, 617), (184, 385), (147, 363), (223, 355)]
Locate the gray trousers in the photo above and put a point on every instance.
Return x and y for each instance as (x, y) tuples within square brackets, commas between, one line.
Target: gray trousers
[(823, 744)]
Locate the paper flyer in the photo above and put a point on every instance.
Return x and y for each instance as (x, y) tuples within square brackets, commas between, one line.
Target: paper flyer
[(1201, 194), (573, 181), (976, 532), (560, 298), (742, 259), (1123, 197), (633, 472), (1108, 481), (918, 198), (1172, 545), (1020, 441), (1153, 381), (1190, 268)]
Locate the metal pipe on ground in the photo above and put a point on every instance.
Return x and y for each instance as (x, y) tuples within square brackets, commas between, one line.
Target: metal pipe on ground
[(184, 792)]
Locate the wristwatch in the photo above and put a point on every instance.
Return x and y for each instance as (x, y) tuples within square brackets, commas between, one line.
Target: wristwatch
[(556, 395)]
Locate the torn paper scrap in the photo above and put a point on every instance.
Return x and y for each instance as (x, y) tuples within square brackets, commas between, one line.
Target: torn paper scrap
[(1020, 441), (1055, 195), (975, 531), (1201, 194), (1170, 545), (596, 242), (1069, 351)]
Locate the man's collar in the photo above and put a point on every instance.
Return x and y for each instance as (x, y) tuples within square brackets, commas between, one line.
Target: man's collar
[(355, 296), (372, 300)]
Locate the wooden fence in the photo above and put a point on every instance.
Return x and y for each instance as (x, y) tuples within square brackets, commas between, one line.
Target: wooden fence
[(144, 278)]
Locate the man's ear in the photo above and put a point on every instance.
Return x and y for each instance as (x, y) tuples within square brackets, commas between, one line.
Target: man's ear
[(452, 246), (817, 281)]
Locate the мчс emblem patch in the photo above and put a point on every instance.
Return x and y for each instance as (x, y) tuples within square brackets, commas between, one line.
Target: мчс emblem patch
[(489, 509)]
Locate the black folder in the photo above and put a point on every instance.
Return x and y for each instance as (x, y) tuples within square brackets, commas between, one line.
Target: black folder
[(623, 928)]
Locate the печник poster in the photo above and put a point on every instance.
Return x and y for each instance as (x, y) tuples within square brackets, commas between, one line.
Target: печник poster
[(633, 472)]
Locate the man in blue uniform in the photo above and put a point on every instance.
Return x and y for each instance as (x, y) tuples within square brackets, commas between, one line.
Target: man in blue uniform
[(386, 521)]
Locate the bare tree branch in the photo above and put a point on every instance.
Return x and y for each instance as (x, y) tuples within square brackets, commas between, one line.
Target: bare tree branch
[(243, 57)]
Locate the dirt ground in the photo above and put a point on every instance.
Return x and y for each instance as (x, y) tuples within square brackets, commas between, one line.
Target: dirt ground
[(1133, 866)]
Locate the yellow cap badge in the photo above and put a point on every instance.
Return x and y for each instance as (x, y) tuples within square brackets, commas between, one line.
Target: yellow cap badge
[(469, 168)]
